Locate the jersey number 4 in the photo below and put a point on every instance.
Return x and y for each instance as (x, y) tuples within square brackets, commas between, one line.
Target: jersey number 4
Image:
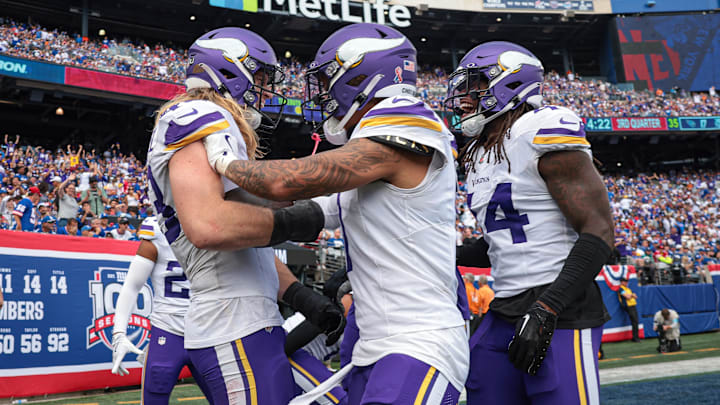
[(502, 197)]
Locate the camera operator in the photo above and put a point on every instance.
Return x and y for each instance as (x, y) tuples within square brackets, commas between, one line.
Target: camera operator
[(95, 196), (667, 325)]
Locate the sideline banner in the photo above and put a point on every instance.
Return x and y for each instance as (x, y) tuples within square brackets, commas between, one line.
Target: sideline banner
[(28, 69), (56, 324), (121, 84)]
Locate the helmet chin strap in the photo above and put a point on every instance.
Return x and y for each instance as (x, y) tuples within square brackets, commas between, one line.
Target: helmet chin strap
[(333, 129), (474, 125), (251, 115)]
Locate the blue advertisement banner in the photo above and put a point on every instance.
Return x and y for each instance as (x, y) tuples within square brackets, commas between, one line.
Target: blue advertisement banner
[(57, 320), (32, 70), (670, 51)]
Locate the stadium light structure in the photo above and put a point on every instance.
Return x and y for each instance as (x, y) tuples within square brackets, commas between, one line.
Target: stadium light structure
[(59, 111)]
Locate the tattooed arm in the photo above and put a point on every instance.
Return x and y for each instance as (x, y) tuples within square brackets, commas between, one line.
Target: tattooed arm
[(579, 191), (359, 162)]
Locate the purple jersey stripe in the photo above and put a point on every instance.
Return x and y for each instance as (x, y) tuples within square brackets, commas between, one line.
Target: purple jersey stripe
[(176, 132), (562, 131), (147, 227), (342, 225), (415, 109)]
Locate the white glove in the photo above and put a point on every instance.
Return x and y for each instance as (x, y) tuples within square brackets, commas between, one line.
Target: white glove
[(141, 357), (121, 345), (219, 152)]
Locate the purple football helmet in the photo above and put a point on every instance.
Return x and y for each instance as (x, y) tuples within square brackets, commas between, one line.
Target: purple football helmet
[(230, 60), (355, 64), (513, 76)]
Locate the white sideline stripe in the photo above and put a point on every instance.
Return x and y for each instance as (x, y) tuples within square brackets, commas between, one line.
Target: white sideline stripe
[(61, 254), (21, 372), (588, 359)]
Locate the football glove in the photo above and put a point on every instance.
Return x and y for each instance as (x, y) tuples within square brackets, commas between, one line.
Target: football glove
[(219, 152), (533, 333), (121, 346), (320, 310)]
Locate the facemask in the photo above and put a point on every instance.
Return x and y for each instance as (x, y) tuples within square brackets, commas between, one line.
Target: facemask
[(334, 132)]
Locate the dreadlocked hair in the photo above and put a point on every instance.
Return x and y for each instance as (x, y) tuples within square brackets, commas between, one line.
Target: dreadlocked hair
[(492, 143), (237, 111)]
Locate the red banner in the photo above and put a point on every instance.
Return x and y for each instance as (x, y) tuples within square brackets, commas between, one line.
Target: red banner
[(121, 84), (640, 124)]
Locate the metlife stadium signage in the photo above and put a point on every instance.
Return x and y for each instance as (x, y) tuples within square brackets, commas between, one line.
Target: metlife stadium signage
[(333, 10)]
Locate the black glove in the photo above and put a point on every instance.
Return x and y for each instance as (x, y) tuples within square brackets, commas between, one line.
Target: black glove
[(330, 289), (318, 309), (301, 222), (533, 333)]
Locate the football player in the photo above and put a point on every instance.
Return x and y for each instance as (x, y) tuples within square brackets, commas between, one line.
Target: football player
[(394, 183), (165, 354), (547, 226), (232, 327)]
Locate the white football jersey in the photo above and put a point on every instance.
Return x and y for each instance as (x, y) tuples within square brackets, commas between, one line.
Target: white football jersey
[(400, 246), (171, 289), (234, 292), (528, 235)]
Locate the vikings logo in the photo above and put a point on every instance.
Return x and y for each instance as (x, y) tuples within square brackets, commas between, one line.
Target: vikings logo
[(104, 290)]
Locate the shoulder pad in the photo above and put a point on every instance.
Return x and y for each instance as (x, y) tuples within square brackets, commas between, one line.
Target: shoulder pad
[(193, 120), (403, 111), (552, 128), (402, 143), (149, 229)]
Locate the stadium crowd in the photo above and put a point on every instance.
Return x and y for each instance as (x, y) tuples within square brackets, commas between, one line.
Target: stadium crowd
[(590, 98), (72, 191)]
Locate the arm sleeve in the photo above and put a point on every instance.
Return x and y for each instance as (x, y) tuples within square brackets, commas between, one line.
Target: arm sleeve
[(581, 266), (329, 205), (139, 271)]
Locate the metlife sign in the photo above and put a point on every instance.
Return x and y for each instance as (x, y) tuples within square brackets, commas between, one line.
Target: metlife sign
[(333, 10)]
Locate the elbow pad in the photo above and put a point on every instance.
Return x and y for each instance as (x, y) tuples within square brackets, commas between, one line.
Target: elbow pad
[(301, 222)]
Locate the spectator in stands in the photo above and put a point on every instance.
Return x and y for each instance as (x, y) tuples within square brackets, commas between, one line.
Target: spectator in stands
[(337, 240), (70, 228), (25, 212), (628, 302), (666, 323), (47, 224), (468, 236), (67, 200), (95, 196), (96, 229), (122, 232), (485, 294)]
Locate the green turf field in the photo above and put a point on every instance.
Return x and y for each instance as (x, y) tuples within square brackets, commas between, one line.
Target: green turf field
[(628, 353), (695, 389)]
